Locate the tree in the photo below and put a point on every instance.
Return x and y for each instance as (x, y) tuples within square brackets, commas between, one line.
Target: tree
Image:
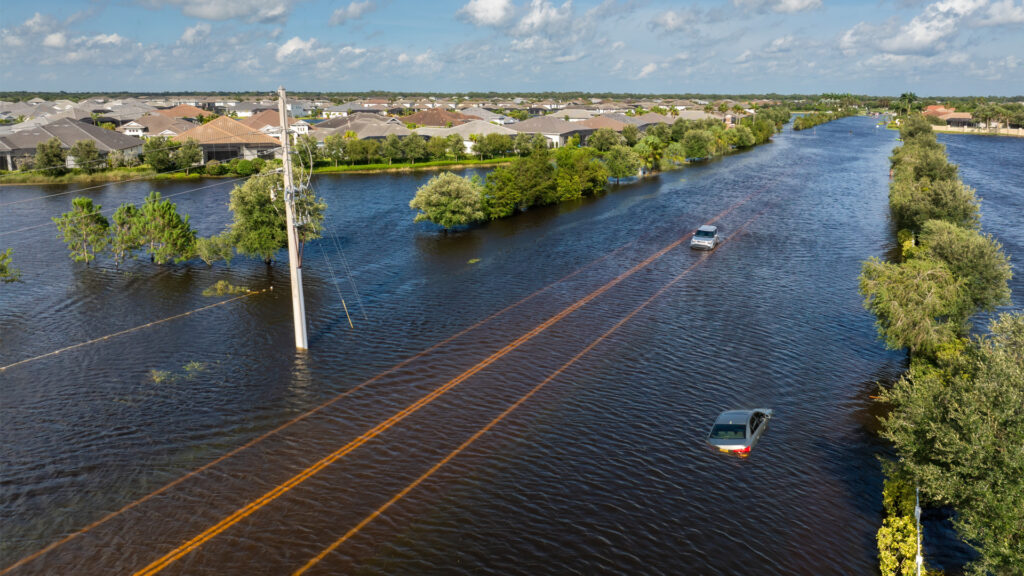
[(525, 182), (437, 148), (492, 145), (157, 152), (522, 143), (51, 159), (976, 259), (83, 229), (632, 134), (918, 304), (414, 147), (86, 156), (391, 148), (742, 137), (126, 232), (915, 202), (674, 153), (165, 233), (622, 162), (306, 151), (212, 249), (907, 100), (456, 146), (8, 273), (579, 173), (188, 155), (448, 200), (897, 546), (698, 143), (259, 225), (334, 148), (649, 151), (604, 139), (958, 430)]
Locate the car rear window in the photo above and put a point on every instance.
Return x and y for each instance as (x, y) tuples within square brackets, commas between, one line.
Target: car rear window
[(729, 432), (705, 234)]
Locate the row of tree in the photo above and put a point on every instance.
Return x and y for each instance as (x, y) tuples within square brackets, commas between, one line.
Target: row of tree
[(543, 176), (157, 229), (162, 154), (957, 422), (815, 118)]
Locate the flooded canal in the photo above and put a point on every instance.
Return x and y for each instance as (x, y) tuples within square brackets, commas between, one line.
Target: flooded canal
[(525, 397)]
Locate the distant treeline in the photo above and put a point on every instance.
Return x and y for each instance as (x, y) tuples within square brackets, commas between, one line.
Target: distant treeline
[(811, 120)]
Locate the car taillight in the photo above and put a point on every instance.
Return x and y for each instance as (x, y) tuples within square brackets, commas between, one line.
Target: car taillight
[(742, 450)]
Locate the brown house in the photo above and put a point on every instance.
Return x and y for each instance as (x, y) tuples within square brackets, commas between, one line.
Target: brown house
[(226, 138), (438, 117)]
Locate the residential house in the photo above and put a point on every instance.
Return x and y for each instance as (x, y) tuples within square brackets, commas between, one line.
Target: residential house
[(466, 131), (269, 122), (225, 138), (485, 114), (18, 147), (958, 119), (438, 117), (183, 111), (599, 122), (152, 125), (557, 131)]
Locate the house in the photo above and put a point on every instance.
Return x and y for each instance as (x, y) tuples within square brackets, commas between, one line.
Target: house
[(152, 125), (225, 138), (269, 122), (958, 119), (556, 130), (183, 111), (21, 146), (485, 114), (438, 117), (599, 122), (364, 126), (575, 114), (247, 109), (937, 110), (467, 131)]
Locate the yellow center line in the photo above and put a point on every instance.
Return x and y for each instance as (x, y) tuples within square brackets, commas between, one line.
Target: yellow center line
[(476, 436)]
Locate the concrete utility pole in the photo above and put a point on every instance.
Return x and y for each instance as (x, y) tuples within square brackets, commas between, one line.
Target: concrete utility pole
[(294, 265)]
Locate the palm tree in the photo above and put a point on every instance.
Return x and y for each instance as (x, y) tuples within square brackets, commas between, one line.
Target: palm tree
[(907, 100)]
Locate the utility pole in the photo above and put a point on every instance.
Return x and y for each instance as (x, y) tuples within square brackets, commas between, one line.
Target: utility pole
[(294, 264)]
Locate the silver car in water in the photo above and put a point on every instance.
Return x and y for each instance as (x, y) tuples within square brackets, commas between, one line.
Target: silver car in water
[(737, 431), (705, 238)]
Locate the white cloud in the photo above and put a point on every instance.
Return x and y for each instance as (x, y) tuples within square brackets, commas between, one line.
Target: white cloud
[(926, 32), (350, 51), (783, 44), (618, 45), (403, 58), (671, 21), (196, 33), (569, 58), (784, 6), (39, 23), (8, 39), (297, 47), (105, 39), (745, 57), (248, 10), (55, 40), (487, 12), (543, 16), (353, 11), (646, 71), (1004, 13)]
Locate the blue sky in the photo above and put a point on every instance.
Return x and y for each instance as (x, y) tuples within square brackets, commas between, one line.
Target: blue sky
[(884, 47)]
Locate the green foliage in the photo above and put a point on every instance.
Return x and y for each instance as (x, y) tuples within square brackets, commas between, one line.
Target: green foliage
[(86, 156), (437, 148), (918, 304), (51, 159), (8, 273), (158, 152), (260, 224), (913, 203), (603, 139), (741, 137), (649, 150), (811, 120), (897, 546), (83, 229), (391, 148), (622, 162), (212, 249), (632, 134), (166, 234), (448, 200), (491, 145), (334, 148), (414, 148), (579, 173), (525, 182), (959, 430), (975, 258), (305, 152), (698, 144), (215, 168), (244, 168), (126, 233), (221, 288), (188, 155)]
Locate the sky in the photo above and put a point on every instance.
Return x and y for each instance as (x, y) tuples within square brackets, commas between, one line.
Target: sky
[(880, 47)]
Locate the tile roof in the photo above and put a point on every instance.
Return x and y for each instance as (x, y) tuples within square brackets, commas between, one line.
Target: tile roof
[(438, 117), (547, 125), (225, 130), (183, 111)]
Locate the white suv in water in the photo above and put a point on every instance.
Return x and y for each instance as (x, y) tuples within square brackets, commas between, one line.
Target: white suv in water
[(705, 238)]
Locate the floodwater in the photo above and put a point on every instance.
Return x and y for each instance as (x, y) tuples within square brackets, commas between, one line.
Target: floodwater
[(526, 397)]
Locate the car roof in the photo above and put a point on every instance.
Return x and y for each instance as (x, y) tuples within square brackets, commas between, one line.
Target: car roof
[(708, 228), (733, 416)]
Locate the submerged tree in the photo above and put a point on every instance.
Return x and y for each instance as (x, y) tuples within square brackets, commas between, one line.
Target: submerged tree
[(8, 273), (448, 200), (83, 229), (259, 226), (166, 234), (126, 233)]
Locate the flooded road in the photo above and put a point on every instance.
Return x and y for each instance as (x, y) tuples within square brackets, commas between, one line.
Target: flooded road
[(525, 397)]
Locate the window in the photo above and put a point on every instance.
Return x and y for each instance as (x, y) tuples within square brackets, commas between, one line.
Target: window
[(729, 432)]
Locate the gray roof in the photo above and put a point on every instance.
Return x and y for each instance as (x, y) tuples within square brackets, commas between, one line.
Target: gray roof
[(466, 130), (68, 132), (547, 125)]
